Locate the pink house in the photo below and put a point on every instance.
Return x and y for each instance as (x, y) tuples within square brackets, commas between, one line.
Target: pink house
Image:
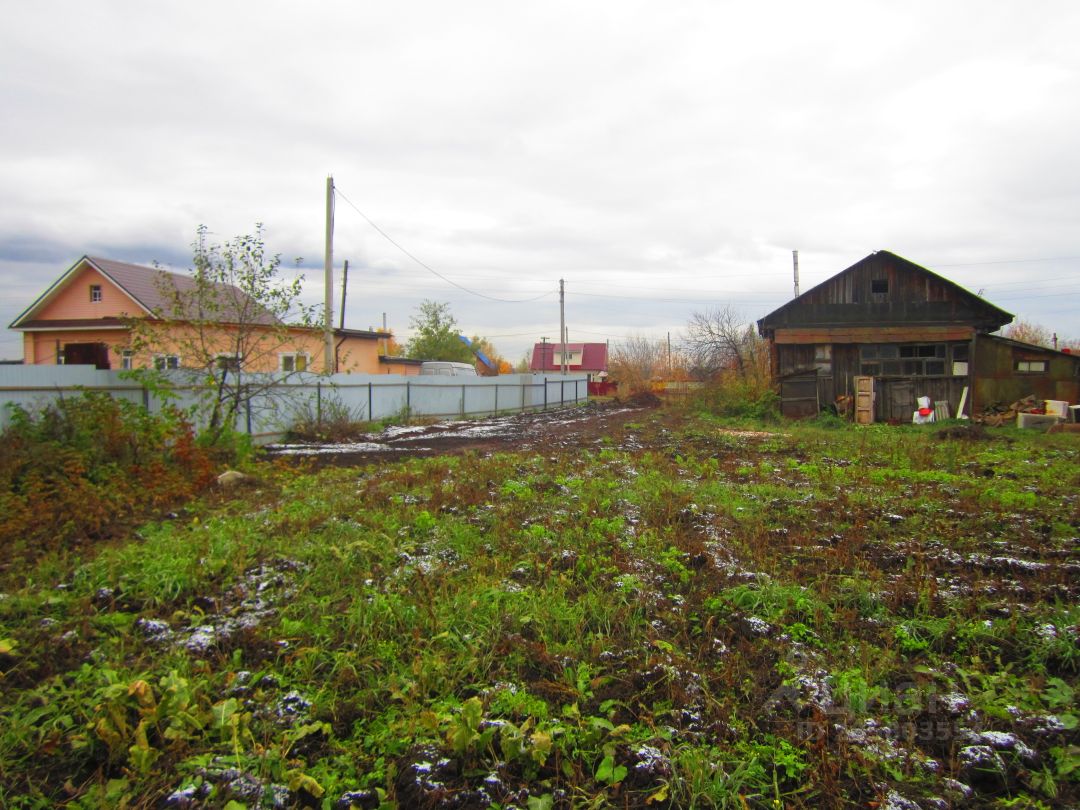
[(83, 318), (581, 358)]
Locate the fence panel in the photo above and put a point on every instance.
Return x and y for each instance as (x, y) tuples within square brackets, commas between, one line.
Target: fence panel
[(281, 402)]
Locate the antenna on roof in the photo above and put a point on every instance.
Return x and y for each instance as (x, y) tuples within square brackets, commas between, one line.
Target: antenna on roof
[(795, 261)]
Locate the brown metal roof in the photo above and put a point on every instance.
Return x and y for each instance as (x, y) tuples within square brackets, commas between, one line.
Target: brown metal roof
[(162, 292), (142, 283), (158, 292)]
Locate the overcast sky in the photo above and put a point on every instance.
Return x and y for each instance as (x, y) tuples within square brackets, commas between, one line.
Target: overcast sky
[(661, 158)]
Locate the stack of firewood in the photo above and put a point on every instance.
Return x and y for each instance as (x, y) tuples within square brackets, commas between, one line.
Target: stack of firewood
[(1000, 414)]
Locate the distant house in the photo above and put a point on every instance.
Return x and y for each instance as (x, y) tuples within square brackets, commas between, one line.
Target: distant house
[(84, 318), (887, 331), (399, 365), (581, 358)]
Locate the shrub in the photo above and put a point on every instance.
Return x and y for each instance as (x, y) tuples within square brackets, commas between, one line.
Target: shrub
[(734, 397), (333, 422), (82, 463)]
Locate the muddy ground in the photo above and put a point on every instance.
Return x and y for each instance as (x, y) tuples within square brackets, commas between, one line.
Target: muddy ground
[(553, 429)]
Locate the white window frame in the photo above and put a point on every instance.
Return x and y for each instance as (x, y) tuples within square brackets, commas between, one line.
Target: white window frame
[(95, 293), (166, 362), (127, 359), (293, 356)]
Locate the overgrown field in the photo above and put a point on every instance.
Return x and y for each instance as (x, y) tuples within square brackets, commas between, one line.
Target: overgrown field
[(677, 615)]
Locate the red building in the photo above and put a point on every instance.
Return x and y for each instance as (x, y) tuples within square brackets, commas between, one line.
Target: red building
[(581, 358)]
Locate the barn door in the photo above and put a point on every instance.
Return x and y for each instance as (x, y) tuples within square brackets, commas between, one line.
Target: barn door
[(901, 400)]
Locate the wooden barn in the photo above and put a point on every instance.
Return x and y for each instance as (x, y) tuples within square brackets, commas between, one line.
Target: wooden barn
[(885, 331)]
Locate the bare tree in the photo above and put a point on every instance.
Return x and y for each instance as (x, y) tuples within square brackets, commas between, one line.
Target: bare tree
[(636, 360), (1028, 332), (718, 340)]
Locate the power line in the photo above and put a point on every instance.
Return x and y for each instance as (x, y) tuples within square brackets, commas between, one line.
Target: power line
[(1056, 294), (1035, 282), (1011, 261), (427, 267), (699, 300)]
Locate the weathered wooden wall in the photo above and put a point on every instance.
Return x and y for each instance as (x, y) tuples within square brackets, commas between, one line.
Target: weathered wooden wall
[(999, 381)]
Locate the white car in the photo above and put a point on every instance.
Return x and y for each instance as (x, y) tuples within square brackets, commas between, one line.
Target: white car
[(445, 368)]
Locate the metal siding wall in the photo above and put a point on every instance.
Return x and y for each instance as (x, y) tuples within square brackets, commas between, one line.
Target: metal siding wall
[(388, 396)]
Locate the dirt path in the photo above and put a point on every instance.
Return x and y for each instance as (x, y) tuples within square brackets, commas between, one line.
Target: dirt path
[(526, 431)]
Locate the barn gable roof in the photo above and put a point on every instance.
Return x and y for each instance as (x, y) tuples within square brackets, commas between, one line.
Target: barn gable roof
[(838, 301)]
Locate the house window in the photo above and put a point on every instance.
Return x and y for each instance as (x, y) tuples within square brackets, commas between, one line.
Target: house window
[(293, 361), (1031, 366), (95, 293), (127, 359), (879, 286), (164, 362), (228, 362)]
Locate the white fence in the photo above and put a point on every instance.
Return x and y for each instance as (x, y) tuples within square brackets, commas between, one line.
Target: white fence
[(266, 416)]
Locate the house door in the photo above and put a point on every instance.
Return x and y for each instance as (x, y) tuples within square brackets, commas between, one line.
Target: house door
[(900, 400), (86, 354)]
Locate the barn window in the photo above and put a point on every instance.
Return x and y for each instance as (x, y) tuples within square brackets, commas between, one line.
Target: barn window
[(823, 357), (1031, 366), (879, 286)]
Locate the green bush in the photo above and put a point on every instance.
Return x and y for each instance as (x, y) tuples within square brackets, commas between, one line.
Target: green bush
[(736, 398)]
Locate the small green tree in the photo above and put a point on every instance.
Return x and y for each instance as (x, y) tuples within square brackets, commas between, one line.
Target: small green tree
[(435, 335), (231, 315)]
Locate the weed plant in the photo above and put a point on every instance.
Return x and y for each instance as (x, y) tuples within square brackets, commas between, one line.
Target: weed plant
[(680, 616), (72, 470)]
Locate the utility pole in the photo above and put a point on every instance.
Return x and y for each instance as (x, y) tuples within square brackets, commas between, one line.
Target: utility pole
[(562, 325), (669, 354), (385, 342), (795, 260), (543, 353), (328, 280), (344, 288)]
